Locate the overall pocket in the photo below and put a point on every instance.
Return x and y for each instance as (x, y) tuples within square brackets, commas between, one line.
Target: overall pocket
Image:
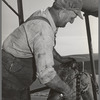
[(15, 66), (11, 63)]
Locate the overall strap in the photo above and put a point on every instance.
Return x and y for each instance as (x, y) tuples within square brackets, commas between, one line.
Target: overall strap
[(33, 18), (40, 18)]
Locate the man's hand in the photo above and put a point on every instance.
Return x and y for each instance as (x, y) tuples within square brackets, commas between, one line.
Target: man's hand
[(70, 62)]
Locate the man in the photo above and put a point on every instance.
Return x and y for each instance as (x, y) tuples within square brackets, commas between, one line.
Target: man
[(28, 51)]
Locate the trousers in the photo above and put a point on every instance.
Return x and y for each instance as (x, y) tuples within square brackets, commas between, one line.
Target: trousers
[(17, 75)]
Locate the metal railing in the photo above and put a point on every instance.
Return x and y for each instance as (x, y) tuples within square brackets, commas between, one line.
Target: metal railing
[(20, 10)]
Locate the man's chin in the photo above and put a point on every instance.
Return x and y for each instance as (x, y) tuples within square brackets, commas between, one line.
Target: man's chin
[(63, 25)]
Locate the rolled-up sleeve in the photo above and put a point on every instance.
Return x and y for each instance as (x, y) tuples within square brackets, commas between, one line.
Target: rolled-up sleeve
[(43, 51)]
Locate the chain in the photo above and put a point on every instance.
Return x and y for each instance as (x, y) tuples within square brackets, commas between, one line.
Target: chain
[(78, 86), (78, 82)]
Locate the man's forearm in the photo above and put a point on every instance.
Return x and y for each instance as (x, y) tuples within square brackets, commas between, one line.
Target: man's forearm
[(58, 85), (60, 58), (57, 56)]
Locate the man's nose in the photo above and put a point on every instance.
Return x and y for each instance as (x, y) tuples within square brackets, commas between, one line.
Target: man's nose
[(71, 21)]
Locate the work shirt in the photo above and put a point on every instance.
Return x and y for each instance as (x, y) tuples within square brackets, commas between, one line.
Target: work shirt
[(37, 37)]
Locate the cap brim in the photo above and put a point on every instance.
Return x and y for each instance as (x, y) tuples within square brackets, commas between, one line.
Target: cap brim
[(79, 14)]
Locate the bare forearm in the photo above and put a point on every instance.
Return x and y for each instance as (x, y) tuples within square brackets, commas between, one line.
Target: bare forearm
[(60, 58), (58, 85), (57, 56)]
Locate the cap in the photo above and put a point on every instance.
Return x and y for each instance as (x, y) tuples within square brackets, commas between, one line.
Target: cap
[(74, 5)]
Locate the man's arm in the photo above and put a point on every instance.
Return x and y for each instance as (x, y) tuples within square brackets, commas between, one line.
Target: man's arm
[(57, 56), (60, 58), (60, 86)]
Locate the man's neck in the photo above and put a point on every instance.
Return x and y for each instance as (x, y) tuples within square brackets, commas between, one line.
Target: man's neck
[(54, 15)]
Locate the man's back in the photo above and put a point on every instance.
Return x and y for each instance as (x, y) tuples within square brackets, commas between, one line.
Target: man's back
[(19, 40)]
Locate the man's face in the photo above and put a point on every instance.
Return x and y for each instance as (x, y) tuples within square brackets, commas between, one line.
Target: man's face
[(66, 16)]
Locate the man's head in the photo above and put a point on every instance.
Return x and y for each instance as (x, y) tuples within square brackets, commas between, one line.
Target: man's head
[(67, 11), (72, 5)]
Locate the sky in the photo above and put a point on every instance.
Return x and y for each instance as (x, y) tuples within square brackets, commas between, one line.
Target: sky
[(71, 40)]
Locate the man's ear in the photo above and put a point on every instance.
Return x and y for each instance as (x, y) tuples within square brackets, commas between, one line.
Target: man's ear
[(62, 13)]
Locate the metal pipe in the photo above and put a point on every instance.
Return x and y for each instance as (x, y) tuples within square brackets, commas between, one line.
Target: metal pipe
[(91, 56), (10, 8), (39, 89), (20, 11)]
